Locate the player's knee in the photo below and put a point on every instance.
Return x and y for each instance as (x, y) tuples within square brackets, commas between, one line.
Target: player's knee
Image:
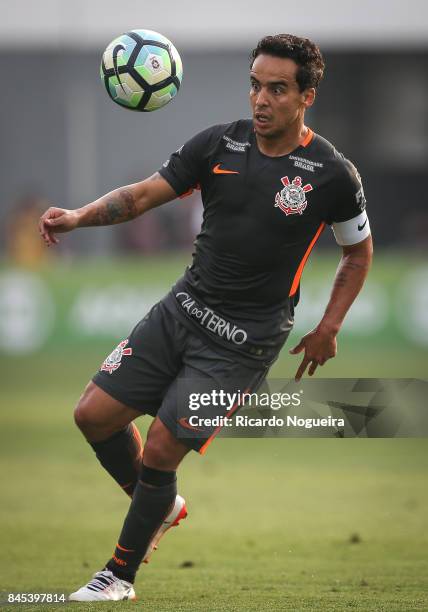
[(87, 415), (163, 453), (162, 450), (82, 415), (156, 455)]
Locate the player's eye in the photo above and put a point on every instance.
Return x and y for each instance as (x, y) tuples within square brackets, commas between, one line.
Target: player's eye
[(255, 86)]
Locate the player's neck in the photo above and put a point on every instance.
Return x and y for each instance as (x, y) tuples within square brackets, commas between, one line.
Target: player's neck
[(283, 144)]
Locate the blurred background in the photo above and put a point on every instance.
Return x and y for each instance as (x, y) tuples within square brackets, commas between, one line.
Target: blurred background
[(64, 142)]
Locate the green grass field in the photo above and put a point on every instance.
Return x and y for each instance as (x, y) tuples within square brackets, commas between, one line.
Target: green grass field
[(284, 524), (289, 524)]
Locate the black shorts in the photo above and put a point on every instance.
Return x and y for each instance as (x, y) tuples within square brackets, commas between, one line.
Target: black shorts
[(162, 362)]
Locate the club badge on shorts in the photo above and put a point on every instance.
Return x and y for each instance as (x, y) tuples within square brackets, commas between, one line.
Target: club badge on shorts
[(113, 361), (292, 198)]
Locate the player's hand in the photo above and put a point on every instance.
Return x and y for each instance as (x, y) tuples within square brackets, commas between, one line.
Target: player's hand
[(55, 221), (319, 346)]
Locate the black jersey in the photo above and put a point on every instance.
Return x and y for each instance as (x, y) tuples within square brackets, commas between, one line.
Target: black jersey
[(262, 216)]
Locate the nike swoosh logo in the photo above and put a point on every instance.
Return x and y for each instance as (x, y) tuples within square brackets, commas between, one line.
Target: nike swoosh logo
[(116, 50), (183, 422), (360, 227), (218, 170)]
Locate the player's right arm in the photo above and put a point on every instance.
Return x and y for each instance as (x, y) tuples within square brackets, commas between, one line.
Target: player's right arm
[(118, 206)]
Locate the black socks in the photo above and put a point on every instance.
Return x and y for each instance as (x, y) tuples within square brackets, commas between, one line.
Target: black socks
[(153, 495), (153, 499), (156, 478), (121, 455)]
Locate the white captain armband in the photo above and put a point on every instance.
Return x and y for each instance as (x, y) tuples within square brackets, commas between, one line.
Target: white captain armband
[(353, 231)]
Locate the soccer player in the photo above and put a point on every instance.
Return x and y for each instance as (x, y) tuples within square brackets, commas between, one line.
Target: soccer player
[(269, 186)]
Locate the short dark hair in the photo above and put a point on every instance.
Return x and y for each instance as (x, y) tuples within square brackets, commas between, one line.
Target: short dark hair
[(303, 51)]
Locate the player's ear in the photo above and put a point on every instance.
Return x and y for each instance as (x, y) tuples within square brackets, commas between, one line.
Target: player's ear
[(308, 96)]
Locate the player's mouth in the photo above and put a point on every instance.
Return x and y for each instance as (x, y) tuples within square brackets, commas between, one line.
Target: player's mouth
[(261, 119)]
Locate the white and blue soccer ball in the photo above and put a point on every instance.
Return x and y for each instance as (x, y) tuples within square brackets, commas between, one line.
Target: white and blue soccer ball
[(141, 70)]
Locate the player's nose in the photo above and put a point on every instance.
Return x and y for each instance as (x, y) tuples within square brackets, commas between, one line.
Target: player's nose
[(262, 98)]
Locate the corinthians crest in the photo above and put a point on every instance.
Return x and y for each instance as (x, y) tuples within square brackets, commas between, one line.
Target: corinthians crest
[(112, 362), (292, 198)]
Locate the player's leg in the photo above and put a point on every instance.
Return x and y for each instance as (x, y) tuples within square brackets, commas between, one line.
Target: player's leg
[(131, 382), (139, 379), (168, 441), (154, 509), (155, 505), (107, 425)]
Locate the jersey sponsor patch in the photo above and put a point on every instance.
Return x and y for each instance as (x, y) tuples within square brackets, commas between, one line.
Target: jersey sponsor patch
[(305, 164), (292, 198), (114, 360), (360, 198), (210, 320), (235, 146)]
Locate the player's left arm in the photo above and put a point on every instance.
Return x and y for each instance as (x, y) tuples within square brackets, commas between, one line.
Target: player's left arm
[(320, 344), (350, 224)]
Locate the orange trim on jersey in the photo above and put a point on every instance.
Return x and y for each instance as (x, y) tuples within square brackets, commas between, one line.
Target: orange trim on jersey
[(190, 191), (187, 193), (235, 406), (296, 279), (308, 138)]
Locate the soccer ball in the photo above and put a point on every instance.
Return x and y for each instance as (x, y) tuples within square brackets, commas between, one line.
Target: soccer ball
[(141, 70)]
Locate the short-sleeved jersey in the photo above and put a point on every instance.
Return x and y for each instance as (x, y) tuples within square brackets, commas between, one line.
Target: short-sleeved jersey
[(261, 217)]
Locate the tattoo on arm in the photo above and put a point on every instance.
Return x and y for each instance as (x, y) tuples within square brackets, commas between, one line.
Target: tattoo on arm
[(340, 280), (114, 208), (342, 276)]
